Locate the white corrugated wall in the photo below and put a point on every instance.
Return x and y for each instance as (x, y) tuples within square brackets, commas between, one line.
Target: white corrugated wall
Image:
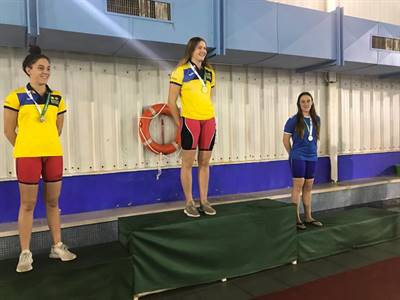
[(387, 11), (105, 97), (369, 115), (312, 4)]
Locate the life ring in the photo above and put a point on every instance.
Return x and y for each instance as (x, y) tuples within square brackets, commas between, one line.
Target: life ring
[(144, 130)]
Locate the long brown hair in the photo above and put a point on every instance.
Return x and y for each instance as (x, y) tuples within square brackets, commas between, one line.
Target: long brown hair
[(300, 118), (190, 47)]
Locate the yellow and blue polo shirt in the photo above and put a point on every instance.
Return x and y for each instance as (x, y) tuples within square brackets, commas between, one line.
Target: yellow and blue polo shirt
[(195, 104), (35, 138)]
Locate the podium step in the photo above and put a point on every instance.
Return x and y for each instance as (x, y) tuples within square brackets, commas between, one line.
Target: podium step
[(348, 229), (170, 250)]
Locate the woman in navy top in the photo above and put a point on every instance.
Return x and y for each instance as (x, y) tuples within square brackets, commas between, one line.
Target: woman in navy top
[(303, 128)]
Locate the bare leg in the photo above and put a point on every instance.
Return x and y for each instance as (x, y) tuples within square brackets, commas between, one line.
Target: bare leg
[(308, 184), (204, 174), (51, 194), (186, 174), (296, 192), (28, 195)]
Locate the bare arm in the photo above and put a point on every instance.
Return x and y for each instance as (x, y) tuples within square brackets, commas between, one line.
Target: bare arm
[(60, 123), (286, 142), (173, 94), (10, 125)]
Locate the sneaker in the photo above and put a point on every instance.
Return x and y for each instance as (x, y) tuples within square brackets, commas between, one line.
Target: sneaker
[(191, 210), (25, 262), (61, 251), (207, 209)]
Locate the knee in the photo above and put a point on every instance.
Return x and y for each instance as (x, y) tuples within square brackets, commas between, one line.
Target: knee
[(28, 206), (297, 188), (307, 188), (187, 165), (203, 163), (52, 203)]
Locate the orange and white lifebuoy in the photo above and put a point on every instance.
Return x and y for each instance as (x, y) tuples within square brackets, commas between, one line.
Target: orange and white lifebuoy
[(144, 130)]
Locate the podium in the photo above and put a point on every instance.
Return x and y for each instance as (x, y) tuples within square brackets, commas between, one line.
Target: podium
[(170, 250)]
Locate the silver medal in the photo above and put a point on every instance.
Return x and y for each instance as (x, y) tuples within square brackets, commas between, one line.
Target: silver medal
[(310, 130)]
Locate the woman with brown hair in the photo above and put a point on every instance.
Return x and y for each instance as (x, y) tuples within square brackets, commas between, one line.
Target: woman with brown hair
[(38, 113), (304, 129), (193, 80)]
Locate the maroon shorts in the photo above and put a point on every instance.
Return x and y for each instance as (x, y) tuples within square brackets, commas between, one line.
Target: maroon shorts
[(197, 133), (29, 169)]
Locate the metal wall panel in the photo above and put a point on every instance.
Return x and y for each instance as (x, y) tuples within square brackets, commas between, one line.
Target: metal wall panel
[(369, 115), (106, 96), (313, 4), (386, 11)]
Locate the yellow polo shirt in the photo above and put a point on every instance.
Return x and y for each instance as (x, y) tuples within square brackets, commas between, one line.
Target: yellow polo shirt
[(35, 138), (196, 104)]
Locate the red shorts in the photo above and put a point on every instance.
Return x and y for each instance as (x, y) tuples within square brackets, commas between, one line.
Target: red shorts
[(29, 169), (197, 133)]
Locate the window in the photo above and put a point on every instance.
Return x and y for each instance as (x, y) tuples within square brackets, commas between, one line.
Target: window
[(144, 8), (385, 43)]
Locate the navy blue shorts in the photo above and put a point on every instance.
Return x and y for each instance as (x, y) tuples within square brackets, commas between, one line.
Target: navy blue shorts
[(303, 168)]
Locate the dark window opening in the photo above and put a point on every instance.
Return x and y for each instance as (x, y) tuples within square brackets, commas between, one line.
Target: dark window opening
[(143, 8)]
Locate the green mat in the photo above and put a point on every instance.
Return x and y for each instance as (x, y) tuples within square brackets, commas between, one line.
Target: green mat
[(101, 272), (346, 230), (170, 250)]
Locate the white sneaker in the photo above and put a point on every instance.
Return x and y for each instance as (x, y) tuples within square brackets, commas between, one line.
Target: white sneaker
[(61, 251), (25, 261)]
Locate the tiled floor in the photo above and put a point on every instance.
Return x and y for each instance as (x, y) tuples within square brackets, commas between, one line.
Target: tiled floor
[(269, 281)]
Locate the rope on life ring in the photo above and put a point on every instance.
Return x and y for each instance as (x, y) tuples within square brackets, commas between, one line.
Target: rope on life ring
[(144, 130)]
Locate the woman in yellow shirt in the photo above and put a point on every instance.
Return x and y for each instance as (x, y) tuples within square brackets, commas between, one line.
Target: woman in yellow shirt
[(193, 80), (38, 112)]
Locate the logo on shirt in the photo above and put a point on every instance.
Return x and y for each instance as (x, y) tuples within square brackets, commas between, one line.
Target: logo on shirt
[(208, 75), (55, 100)]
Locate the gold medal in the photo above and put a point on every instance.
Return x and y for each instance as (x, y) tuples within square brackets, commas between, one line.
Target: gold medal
[(204, 89)]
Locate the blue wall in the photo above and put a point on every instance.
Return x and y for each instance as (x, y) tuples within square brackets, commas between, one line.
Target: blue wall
[(389, 57), (97, 192), (306, 32), (13, 12), (263, 26), (357, 40), (251, 26), (255, 26), (358, 166), (189, 18)]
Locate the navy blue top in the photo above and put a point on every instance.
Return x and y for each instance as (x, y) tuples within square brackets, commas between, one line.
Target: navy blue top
[(302, 148)]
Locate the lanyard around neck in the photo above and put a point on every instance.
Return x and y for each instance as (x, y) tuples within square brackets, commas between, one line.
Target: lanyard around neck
[(46, 105), (203, 81), (310, 129)]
